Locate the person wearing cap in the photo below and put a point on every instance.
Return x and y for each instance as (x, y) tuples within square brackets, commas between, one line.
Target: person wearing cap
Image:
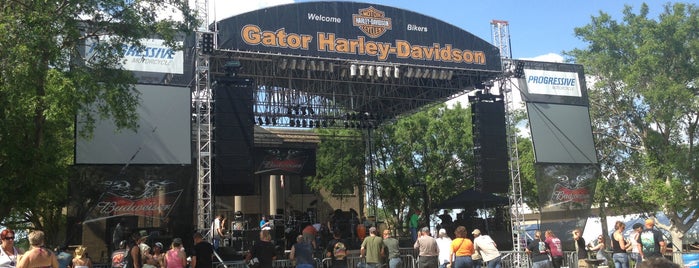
[(80, 260), (175, 257), (157, 258), (635, 254), (487, 248), (650, 242), (554, 244), (144, 247), (393, 249), (476, 257), (462, 248), (444, 246), (372, 249), (428, 251), (413, 224)]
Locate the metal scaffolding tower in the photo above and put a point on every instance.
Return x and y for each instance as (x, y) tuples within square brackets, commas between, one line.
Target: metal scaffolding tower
[(202, 108), (501, 39)]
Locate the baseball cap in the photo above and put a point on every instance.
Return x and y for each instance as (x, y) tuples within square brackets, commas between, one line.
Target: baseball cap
[(442, 231), (476, 232), (372, 229), (637, 225)]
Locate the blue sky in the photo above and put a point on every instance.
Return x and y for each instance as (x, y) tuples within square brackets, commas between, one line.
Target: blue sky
[(538, 29)]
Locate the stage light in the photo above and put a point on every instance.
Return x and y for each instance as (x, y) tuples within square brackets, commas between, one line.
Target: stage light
[(274, 121), (259, 121), (353, 70), (396, 72), (312, 65), (302, 65), (519, 70), (442, 74), (292, 123), (362, 70), (408, 73), (425, 73), (292, 64), (298, 122), (282, 64), (311, 111), (343, 73), (321, 66), (387, 71), (331, 67), (304, 111), (435, 74), (207, 43), (370, 70), (267, 121), (450, 74), (418, 73), (379, 71), (311, 124), (288, 110)]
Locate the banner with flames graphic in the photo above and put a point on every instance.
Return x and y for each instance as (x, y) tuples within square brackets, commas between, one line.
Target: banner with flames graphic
[(566, 190)]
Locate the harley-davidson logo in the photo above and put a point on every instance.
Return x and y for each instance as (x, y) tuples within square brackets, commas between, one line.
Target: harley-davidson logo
[(372, 22)]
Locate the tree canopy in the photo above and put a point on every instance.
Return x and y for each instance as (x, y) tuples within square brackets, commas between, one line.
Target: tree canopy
[(46, 79), (645, 109)]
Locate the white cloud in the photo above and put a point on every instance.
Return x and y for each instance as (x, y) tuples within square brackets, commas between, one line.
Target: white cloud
[(221, 9), (551, 57)]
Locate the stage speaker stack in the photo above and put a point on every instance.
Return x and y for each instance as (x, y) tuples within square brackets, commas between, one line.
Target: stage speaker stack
[(233, 137), (490, 143)]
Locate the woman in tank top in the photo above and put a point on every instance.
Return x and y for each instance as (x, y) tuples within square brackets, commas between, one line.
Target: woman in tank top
[(38, 256), (80, 260), (175, 257), (621, 259)]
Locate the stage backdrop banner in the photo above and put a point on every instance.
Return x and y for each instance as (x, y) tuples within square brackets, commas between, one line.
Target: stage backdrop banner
[(357, 31)]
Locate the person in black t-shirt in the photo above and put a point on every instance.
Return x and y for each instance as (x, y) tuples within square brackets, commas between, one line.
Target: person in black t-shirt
[(263, 250), (203, 253), (337, 250), (539, 252)]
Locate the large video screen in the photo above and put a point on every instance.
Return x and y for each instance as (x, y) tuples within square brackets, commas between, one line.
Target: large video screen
[(561, 133), (163, 135)]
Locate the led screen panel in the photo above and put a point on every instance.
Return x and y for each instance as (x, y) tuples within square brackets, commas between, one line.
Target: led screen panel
[(163, 135), (561, 133)]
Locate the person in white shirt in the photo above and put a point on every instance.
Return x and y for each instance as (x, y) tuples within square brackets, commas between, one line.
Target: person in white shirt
[(444, 245), (485, 245)]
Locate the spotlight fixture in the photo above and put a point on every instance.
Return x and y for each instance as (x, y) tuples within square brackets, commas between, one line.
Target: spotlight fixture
[(302, 65), (425, 73), (418, 73), (317, 123), (396, 72), (274, 121), (311, 111), (371, 70), (362, 70), (267, 121), (292, 64), (450, 74), (353, 70), (379, 71), (312, 65), (387, 71), (282, 64), (408, 73), (288, 110), (311, 124), (298, 122), (435, 75), (292, 123), (259, 121)]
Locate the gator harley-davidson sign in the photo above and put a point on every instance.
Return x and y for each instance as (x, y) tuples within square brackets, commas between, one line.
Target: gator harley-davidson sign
[(356, 31)]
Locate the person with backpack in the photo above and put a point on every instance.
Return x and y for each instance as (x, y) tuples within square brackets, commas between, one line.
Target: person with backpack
[(337, 250)]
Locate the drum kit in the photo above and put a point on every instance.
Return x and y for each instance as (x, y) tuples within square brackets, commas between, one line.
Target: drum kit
[(243, 230)]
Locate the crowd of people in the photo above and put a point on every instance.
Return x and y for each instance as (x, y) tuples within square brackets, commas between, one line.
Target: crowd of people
[(642, 249)]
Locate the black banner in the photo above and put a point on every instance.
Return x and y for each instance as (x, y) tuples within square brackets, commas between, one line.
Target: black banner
[(357, 31), (282, 161), (565, 190)]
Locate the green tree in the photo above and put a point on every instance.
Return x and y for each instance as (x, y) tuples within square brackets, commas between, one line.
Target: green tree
[(645, 109), (340, 161), (430, 151), (46, 81)]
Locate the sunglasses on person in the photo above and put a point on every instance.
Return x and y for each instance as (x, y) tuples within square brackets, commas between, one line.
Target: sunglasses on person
[(9, 238)]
